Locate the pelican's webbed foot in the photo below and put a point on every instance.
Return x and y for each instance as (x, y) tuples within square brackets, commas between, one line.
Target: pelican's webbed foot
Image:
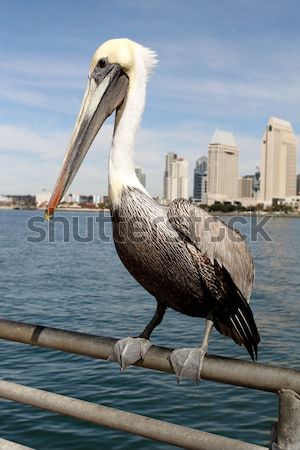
[(187, 362), (129, 350)]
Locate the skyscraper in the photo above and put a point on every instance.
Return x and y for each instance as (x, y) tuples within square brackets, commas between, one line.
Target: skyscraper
[(298, 185), (222, 175), (176, 178), (245, 187), (141, 175), (278, 160), (255, 183), (200, 180)]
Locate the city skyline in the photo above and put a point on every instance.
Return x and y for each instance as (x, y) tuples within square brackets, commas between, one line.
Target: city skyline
[(202, 164), (160, 193), (221, 70)]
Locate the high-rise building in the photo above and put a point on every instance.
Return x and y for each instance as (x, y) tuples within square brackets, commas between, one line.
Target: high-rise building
[(141, 175), (176, 178), (245, 187), (255, 183), (278, 160), (200, 180), (222, 174), (298, 185)]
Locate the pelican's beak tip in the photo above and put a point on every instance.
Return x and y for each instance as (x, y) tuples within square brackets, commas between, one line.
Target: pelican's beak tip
[(48, 215)]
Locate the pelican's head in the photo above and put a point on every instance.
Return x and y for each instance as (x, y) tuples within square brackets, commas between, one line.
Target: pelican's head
[(113, 66)]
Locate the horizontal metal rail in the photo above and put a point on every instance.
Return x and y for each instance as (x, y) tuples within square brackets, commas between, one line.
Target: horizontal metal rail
[(215, 368), (147, 427)]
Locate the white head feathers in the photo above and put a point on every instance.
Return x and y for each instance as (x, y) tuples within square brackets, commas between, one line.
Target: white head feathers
[(127, 54)]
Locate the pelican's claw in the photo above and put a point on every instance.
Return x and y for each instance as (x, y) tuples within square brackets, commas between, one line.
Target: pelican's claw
[(187, 363), (129, 350)]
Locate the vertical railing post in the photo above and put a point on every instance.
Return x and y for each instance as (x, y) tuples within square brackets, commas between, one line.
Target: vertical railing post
[(288, 426)]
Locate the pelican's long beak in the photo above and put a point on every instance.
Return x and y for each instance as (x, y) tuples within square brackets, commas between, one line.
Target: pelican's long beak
[(105, 91)]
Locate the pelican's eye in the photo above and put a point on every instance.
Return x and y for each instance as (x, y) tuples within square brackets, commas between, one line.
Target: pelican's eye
[(101, 70), (102, 63)]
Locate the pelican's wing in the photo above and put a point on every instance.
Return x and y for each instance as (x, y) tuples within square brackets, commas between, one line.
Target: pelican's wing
[(226, 267), (219, 242)]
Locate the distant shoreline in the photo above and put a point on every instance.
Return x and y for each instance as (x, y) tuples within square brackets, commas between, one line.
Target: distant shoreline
[(9, 208), (214, 213)]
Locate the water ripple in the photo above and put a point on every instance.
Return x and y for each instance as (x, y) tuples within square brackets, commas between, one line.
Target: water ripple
[(84, 287)]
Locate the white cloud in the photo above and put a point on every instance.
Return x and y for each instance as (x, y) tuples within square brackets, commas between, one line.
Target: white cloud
[(30, 160), (212, 98), (37, 82), (44, 67), (25, 140), (22, 96)]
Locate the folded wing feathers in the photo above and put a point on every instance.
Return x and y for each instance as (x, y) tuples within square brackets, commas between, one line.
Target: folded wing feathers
[(232, 262), (218, 241)]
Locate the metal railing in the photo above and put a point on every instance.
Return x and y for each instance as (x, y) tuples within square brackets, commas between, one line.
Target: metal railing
[(121, 420), (215, 368), (9, 445)]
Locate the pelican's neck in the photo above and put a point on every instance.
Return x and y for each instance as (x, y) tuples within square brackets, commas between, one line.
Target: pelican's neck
[(121, 163)]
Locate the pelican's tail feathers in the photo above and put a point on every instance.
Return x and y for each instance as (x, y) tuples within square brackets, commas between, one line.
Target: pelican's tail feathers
[(237, 321)]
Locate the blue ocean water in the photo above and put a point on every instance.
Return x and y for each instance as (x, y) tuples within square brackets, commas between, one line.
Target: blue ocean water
[(83, 286)]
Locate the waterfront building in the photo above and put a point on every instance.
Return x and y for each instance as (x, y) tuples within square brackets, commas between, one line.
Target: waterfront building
[(176, 178), (68, 198), (141, 175), (200, 180), (18, 201), (278, 161), (255, 183), (84, 199), (43, 198), (4, 200), (76, 198), (245, 187), (96, 199), (293, 201), (298, 185), (105, 201), (222, 173)]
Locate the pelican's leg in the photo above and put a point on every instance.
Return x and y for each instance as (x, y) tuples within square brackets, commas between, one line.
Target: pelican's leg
[(131, 349), (187, 362)]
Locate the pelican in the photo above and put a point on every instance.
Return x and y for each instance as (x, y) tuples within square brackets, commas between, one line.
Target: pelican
[(188, 260)]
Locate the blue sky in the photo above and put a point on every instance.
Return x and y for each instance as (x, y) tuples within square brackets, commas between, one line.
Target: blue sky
[(227, 64)]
